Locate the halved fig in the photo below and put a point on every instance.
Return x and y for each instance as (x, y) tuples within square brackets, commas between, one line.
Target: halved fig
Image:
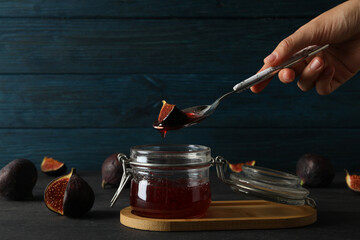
[(69, 195), (52, 167), (170, 117), (353, 181), (238, 167)]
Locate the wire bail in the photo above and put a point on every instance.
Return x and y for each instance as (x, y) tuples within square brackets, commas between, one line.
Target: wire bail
[(127, 174)]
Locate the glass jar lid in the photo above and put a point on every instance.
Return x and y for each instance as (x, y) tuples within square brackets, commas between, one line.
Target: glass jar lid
[(266, 184)]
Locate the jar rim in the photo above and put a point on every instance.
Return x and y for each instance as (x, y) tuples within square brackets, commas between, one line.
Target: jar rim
[(170, 155), (169, 148)]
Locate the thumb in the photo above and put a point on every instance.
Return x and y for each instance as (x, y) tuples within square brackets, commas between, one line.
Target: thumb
[(303, 37)]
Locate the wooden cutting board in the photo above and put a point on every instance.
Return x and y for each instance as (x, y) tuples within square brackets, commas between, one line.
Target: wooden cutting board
[(229, 215)]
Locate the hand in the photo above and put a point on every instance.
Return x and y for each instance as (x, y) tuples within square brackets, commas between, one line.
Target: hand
[(329, 69)]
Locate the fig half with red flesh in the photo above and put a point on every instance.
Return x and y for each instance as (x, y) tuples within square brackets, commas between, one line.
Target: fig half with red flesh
[(52, 167), (69, 195), (170, 118), (238, 166), (353, 181)]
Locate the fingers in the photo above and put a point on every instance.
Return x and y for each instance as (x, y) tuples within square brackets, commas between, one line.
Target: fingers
[(310, 74), (300, 39), (260, 86), (314, 74), (287, 75), (325, 84), (286, 48)]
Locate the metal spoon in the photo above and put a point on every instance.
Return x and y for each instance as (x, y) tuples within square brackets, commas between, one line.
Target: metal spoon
[(203, 111)]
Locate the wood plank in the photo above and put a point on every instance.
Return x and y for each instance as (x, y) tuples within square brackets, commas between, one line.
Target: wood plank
[(277, 148), (229, 215), (138, 46), (162, 8), (94, 101)]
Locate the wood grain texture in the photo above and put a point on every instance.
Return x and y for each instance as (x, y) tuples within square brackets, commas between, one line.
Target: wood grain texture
[(138, 46), (162, 8), (229, 215), (111, 101), (275, 148)]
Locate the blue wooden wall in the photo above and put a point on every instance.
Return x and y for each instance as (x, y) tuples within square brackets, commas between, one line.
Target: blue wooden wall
[(80, 80)]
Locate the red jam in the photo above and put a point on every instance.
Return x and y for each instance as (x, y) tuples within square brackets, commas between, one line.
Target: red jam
[(192, 118), (164, 198)]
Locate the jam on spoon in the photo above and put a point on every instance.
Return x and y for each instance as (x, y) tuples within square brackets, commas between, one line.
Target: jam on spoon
[(172, 118)]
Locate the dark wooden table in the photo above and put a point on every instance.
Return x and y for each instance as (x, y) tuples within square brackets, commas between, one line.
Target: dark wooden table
[(338, 217)]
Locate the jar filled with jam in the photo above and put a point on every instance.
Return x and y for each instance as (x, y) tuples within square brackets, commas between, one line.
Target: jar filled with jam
[(172, 181)]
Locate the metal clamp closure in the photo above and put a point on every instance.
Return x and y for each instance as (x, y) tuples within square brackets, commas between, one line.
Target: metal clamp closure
[(127, 174), (220, 164)]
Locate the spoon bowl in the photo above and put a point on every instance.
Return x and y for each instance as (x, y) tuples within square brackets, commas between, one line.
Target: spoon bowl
[(203, 111)]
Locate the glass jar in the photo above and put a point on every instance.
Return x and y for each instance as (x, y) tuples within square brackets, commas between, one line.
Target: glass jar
[(172, 181)]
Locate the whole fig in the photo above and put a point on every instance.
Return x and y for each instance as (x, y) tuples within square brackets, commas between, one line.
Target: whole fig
[(315, 170), (17, 179), (111, 172), (69, 195)]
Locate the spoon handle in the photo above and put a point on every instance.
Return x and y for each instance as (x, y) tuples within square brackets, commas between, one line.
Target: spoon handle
[(271, 71)]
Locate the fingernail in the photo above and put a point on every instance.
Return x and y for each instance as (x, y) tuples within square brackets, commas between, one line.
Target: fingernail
[(315, 64), (286, 77), (271, 58)]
